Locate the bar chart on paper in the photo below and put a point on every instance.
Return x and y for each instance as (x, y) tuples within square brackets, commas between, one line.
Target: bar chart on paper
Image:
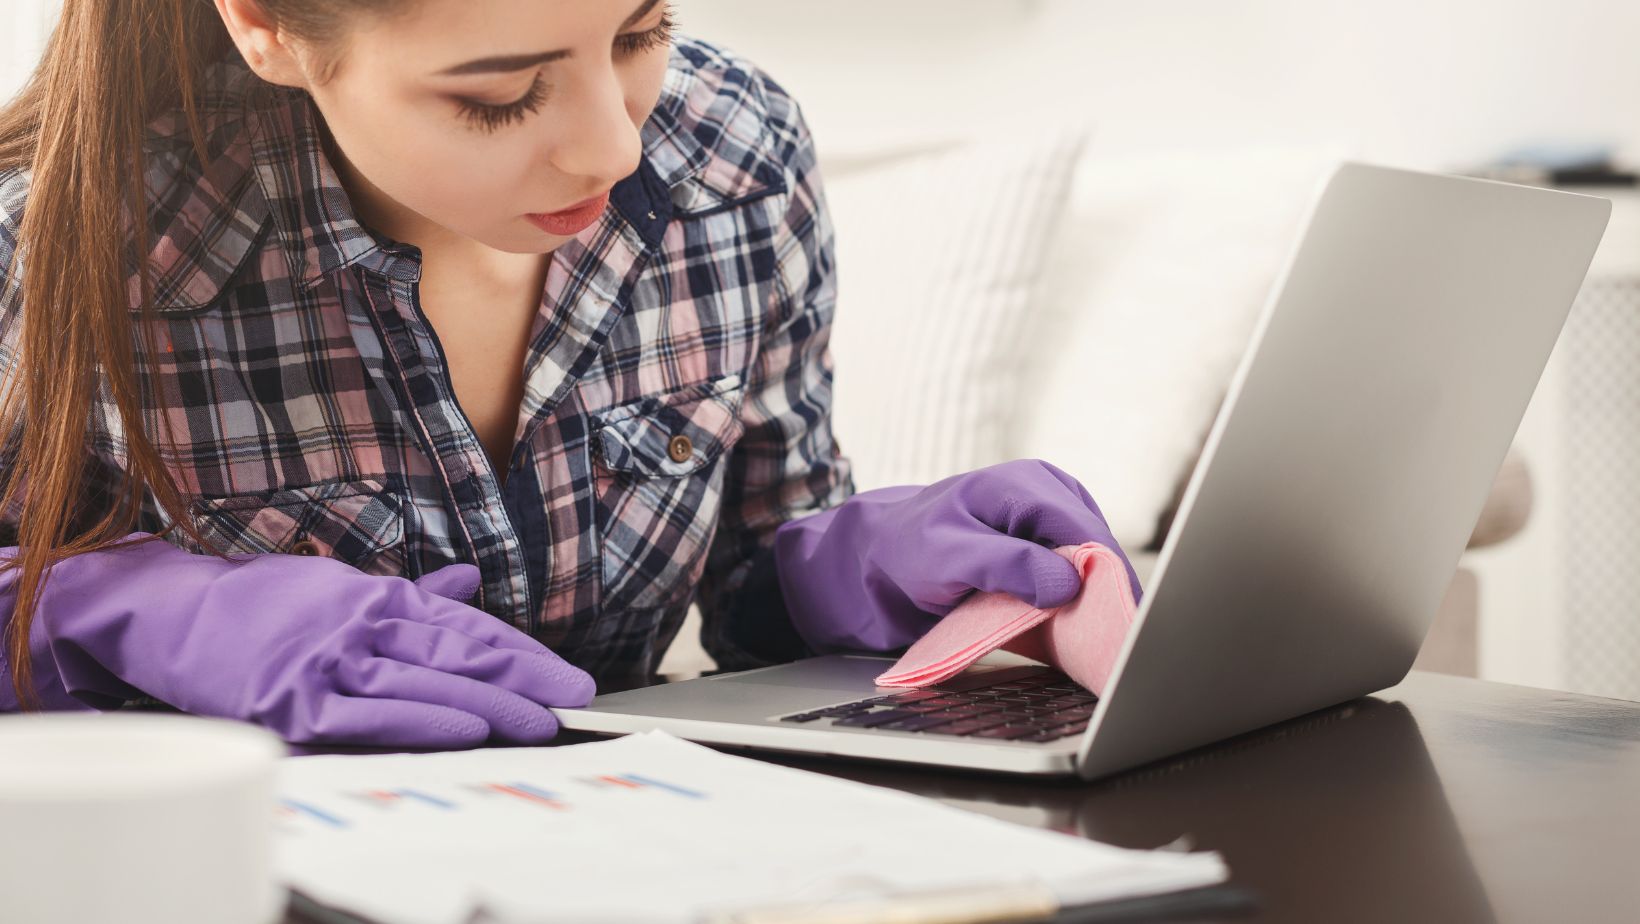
[(347, 807), (570, 833)]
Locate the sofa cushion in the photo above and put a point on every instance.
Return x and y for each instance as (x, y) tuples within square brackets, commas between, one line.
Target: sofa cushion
[(938, 257), (1149, 297)]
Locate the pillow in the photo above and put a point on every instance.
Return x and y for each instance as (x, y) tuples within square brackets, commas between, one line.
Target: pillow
[(938, 255), (1150, 293)]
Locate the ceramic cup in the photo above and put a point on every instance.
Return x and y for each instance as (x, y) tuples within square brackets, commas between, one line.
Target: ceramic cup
[(138, 818)]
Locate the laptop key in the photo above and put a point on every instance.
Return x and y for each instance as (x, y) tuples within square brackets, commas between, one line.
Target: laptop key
[(965, 726), (848, 709), (918, 723), (1049, 721), (973, 709), (1044, 722), (800, 717), (1005, 732), (913, 696), (878, 717)]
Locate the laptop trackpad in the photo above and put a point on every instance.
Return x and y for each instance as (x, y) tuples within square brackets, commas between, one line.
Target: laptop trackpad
[(846, 673)]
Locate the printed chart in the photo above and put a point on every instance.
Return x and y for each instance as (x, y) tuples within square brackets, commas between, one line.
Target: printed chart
[(349, 807)]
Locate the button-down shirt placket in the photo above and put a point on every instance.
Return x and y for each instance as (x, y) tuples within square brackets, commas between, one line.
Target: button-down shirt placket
[(448, 436)]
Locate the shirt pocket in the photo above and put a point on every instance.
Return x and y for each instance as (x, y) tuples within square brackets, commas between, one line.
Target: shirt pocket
[(659, 466), (359, 522)]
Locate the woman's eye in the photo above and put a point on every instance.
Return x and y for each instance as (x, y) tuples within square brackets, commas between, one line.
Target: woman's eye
[(639, 42), (489, 116)]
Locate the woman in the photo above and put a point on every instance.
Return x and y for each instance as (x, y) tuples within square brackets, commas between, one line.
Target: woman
[(523, 301)]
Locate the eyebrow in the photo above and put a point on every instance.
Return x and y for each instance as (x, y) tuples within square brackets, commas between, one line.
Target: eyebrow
[(508, 63)]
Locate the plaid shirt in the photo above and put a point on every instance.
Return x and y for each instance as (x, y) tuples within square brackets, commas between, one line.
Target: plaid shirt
[(310, 402)]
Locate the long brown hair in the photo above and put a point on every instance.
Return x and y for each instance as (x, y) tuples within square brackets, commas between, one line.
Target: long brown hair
[(110, 67)]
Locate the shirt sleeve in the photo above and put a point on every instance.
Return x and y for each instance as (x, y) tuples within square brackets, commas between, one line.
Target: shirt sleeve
[(787, 463)]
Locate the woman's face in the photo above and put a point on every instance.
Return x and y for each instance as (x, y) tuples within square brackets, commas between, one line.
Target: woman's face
[(476, 114)]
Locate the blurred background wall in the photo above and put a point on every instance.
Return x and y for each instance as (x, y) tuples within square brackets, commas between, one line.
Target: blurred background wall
[(1430, 83), (27, 22), (1417, 82)]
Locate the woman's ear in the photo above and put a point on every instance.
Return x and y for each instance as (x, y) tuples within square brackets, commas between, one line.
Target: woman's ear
[(268, 51)]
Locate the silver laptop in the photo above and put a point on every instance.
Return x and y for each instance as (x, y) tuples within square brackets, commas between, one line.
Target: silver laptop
[(1337, 488)]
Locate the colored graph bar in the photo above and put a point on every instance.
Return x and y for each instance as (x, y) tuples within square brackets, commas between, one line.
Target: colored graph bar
[(306, 809), (424, 797), (646, 781), (529, 794), (620, 782), (535, 790)]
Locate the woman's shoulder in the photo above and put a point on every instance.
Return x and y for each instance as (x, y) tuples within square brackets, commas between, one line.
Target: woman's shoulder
[(176, 176), (733, 110), (709, 72)]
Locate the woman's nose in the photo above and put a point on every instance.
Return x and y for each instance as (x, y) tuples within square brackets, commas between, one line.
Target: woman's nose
[(598, 138)]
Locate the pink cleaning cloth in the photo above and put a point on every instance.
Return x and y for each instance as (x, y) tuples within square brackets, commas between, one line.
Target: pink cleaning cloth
[(1081, 638)]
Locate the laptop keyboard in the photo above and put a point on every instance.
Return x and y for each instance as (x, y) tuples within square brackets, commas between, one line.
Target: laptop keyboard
[(1037, 707)]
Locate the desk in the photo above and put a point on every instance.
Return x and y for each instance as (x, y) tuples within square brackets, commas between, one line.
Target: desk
[(1441, 799)]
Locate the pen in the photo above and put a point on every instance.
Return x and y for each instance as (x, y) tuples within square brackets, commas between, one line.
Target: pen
[(976, 905), (1216, 900), (994, 905)]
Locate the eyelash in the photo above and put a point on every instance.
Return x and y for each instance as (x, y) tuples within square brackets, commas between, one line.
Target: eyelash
[(490, 118)]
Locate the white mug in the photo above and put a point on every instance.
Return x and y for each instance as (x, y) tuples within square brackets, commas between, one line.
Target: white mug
[(140, 818)]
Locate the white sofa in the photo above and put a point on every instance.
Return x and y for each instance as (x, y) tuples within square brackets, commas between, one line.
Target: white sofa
[(1147, 279)]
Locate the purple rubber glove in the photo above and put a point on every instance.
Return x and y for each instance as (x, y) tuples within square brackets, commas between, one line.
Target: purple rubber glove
[(309, 647), (877, 571)]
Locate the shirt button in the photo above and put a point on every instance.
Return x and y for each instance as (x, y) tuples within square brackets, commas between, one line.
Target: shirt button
[(680, 449), (306, 547)]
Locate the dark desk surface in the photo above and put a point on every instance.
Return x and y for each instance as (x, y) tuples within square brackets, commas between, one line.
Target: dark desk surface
[(1442, 799)]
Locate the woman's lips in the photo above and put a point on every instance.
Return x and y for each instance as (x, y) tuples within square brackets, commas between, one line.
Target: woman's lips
[(573, 219)]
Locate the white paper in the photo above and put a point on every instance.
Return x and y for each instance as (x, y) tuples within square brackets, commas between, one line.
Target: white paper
[(652, 828)]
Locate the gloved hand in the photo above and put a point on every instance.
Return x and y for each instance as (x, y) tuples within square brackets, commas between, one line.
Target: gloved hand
[(877, 571), (309, 647)]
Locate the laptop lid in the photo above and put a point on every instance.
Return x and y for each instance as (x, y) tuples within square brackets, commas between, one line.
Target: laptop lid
[(1350, 460)]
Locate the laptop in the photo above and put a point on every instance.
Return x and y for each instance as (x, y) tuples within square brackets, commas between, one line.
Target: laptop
[(1347, 466)]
